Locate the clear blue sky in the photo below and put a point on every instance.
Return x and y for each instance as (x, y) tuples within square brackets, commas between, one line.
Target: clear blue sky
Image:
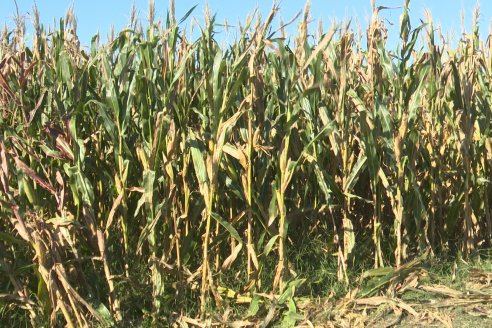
[(97, 16)]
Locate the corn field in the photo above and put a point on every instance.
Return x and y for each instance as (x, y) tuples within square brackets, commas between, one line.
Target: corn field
[(153, 174)]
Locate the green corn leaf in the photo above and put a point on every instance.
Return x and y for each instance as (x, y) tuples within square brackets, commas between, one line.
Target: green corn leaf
[(228, 226)]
